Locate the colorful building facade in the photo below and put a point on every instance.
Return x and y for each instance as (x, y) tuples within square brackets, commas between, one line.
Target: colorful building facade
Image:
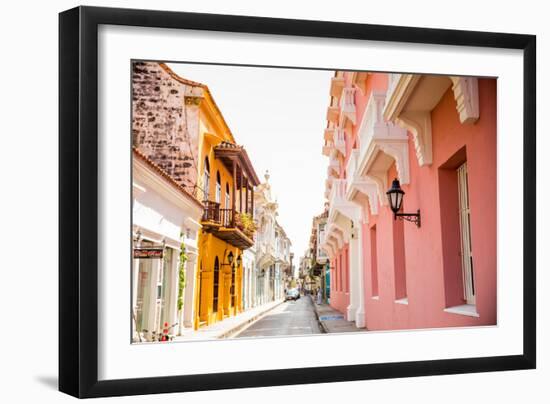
[(436, 135), (226, 182), (166, 212), (177, 126)]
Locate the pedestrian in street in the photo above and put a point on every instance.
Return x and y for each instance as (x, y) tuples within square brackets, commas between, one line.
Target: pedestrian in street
[(319, 296)]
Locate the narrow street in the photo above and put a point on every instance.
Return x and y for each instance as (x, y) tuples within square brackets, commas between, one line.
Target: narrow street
[(290, 318)]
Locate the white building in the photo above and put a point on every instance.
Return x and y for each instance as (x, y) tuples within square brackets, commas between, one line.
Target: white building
[(249, 278), (165, 219), (272, 248), (282, 261)]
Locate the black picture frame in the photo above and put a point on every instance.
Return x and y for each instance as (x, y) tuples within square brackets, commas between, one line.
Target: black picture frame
[(78, 200)]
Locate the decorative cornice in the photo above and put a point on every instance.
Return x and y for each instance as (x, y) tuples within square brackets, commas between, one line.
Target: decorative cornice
[(467, 98), (381, 182), (347, 106), (419, 123), (360, 184), (339, 140)]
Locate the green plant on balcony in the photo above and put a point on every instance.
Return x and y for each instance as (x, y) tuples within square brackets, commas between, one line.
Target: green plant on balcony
[(246, 223)]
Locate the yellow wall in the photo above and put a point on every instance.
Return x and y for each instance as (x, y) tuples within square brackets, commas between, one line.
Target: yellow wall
[(213, 132)]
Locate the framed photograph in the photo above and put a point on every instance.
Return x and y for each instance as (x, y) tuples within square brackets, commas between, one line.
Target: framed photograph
[(250, 201)]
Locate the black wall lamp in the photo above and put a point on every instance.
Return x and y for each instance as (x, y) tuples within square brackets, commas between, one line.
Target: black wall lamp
[(229, 259), (395, 196)]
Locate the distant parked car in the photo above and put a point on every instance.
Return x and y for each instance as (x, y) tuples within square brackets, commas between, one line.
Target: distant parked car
[(292, 294)]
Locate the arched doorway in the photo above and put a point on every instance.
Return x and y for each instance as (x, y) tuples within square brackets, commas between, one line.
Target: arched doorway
[(202, 305)]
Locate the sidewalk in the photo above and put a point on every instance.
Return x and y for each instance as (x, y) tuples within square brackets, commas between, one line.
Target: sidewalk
[(227, 327), (332, 321)]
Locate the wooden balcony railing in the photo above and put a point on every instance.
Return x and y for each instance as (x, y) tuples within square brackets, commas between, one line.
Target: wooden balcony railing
[(211, 212), (224, 224)]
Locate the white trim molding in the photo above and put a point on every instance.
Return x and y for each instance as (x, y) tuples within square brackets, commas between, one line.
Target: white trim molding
[(419, 123), (463, 310), (347, 106), (467, 98), (358, 184), (339, 140)]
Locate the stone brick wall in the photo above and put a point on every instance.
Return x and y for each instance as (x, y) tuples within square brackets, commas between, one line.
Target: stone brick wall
[(165, 121)]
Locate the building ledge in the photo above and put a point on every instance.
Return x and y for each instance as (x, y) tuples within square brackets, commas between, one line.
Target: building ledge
[(463, 310), (404, 301)]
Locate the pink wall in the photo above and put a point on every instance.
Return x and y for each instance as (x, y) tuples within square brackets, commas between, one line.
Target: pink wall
[(429, 254)]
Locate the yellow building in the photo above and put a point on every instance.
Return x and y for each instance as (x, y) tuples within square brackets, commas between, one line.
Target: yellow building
[(226, 182)]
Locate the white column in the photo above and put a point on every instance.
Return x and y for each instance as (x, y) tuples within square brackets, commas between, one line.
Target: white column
[(246, 294), (171, 303), (360, 313), (354, 263), (150, 300), (135, 278), (188, 300)]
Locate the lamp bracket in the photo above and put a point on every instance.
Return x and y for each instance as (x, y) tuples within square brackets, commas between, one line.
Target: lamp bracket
[(410, 217)]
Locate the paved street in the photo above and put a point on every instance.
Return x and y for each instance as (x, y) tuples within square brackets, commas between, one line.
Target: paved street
[(289, 318)]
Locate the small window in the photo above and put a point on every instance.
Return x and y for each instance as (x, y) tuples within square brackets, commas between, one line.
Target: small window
[(218, 188), (206, 179), (227, 197)]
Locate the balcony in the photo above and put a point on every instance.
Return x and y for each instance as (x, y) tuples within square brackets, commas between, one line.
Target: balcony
[(329, 134), (265, 255), (334, 165), (225, 224), (381, 144), (337, 86), (340, 141), (359, 188), (333, 114), (327, 148), (340, 206), (347, 106)]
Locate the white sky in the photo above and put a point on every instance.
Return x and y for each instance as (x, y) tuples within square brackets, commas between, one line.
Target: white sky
[(279, 116)]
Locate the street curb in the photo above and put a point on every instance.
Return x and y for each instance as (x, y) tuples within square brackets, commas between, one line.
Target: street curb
[(324, 329), (239, 327)]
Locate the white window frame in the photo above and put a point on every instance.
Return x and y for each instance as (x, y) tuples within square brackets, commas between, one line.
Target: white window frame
[(465, 235)]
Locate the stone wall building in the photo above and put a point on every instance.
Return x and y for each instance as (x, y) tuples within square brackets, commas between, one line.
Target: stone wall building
[(165, 120)]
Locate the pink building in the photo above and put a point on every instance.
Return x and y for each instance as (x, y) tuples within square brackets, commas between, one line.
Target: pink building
[(437, 136)]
